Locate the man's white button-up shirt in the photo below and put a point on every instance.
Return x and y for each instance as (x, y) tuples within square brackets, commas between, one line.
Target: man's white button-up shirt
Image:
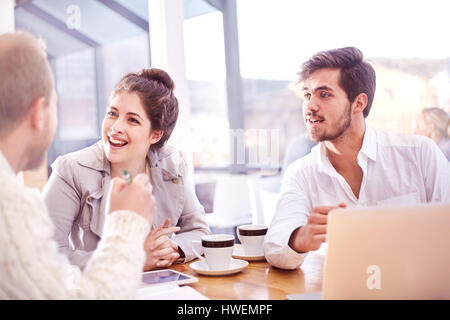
[(397, 169)]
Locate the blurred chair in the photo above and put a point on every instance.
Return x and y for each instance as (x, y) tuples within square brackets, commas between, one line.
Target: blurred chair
[(231, 205), (264, 195), (297, 148)]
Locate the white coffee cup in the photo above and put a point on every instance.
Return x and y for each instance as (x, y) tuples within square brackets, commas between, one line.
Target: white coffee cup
[(252, 238), (218, 249)]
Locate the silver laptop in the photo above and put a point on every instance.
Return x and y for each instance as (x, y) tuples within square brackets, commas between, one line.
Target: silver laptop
[(388, 253)]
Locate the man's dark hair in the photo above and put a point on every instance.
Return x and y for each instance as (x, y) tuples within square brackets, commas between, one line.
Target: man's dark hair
[(356, 75)]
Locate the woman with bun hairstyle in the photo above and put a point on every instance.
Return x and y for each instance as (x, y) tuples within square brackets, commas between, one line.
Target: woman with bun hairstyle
[(139, 120)]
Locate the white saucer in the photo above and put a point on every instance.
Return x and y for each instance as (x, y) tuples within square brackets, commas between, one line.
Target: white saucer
[(201, 267), (238, 253)]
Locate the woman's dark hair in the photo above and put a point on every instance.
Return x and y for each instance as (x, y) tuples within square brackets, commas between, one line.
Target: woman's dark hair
[(155, 90), (356, 75)]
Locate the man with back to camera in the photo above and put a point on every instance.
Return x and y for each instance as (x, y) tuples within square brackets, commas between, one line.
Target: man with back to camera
[(30, 265), (353, 164)]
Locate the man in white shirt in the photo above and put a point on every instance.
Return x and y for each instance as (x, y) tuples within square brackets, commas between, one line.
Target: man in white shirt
[(353, 164)]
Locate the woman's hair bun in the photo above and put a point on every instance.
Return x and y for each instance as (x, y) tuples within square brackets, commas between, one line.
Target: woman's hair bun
[(158, 75)]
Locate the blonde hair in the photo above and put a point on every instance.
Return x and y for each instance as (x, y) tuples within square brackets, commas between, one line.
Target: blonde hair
[(439, 118), (25, 76)]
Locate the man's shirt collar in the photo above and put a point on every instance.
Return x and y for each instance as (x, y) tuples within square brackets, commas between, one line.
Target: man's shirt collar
[(368, 149)]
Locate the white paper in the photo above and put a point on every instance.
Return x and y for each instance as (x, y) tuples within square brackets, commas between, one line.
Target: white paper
[(305, 296), (169, 292)]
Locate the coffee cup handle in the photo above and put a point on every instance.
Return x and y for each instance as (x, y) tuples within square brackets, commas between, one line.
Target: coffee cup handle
[(195, 251)]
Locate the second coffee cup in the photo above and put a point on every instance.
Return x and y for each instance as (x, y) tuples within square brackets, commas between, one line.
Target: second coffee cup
[(252, 238), (218, 249)]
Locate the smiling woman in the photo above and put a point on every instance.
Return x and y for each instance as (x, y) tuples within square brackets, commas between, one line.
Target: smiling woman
[(123, 127), (139, 119), (127, 134)]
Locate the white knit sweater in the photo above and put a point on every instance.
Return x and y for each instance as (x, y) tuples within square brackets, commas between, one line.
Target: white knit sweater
[(31, 266)]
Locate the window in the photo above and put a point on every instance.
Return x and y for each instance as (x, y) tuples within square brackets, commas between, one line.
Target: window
[(402, 39), (206, 75), (75, 84), (91, 45)]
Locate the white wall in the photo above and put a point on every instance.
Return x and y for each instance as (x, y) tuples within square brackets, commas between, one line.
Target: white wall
[(6, 16), (167, 52)]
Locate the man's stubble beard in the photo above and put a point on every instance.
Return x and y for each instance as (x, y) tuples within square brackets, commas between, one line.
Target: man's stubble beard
[(341, 129), (38, 150)]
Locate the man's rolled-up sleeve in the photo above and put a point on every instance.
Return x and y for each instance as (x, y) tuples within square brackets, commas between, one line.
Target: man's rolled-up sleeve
[(292, 212)]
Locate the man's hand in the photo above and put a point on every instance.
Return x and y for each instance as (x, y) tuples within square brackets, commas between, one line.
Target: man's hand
[(136, 197), (160, 250), (310, 236)]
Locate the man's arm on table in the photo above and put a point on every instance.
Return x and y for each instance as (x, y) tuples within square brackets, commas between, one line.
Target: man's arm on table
[(292, 212)]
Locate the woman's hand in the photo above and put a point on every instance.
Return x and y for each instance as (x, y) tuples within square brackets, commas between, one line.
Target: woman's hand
[(160, 250)]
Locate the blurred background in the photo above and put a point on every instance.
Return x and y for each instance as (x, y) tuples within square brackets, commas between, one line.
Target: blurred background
[(235, 65)]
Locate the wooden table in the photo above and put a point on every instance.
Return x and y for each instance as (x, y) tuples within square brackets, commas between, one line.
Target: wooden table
[(260, 281)]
